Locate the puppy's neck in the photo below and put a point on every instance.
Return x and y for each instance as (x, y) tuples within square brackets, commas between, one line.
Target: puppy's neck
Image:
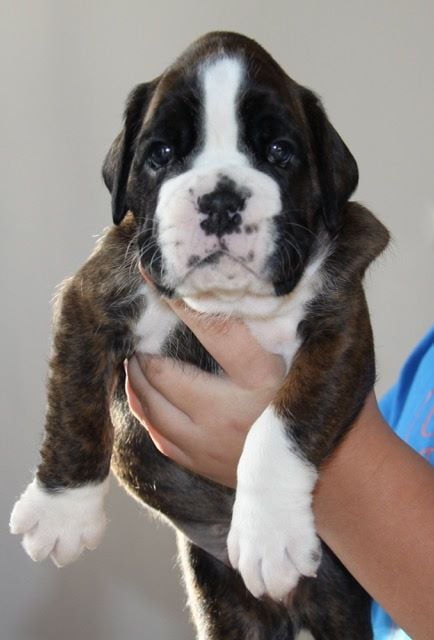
[(272, 320)]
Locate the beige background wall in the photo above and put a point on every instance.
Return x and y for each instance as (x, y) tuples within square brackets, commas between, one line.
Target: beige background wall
[(66, 69)]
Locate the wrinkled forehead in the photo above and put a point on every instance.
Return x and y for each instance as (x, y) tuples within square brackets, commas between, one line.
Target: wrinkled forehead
[(214, 88)]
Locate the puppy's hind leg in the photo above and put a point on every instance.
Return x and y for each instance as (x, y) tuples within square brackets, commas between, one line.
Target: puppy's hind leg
[(222, 607), (333, 606)]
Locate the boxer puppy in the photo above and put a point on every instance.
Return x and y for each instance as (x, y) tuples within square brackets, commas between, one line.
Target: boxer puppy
[(230, 188)]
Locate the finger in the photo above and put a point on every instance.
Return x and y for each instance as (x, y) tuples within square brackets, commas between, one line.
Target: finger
[(136, 405), (231, 343), (192, 391), (162, 443), (159, 415), (169, 449)]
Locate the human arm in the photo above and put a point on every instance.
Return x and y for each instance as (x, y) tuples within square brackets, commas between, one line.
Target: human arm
[(373, 506)]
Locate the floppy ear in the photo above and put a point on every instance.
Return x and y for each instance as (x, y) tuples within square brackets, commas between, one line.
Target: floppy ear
[(117, 165), (337, 169)]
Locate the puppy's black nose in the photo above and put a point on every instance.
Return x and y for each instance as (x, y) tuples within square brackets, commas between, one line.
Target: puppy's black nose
[(222, 208)]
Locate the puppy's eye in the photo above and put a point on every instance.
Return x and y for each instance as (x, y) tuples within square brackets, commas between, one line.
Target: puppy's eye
[(280, 152), (160, 155)]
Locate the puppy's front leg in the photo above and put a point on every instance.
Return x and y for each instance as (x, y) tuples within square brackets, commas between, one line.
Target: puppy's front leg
[(272, 540), (61, 511)]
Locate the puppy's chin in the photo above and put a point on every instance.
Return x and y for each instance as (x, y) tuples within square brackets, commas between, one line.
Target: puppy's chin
[(221, 277), (229, 289), (248, 306)]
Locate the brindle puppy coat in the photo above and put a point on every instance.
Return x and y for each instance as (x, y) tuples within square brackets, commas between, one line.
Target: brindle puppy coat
[(231, 188)]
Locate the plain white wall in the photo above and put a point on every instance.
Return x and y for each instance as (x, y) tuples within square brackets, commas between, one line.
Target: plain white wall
[(66, 69)]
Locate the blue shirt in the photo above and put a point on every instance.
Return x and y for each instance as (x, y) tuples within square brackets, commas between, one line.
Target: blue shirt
[(409, 409)]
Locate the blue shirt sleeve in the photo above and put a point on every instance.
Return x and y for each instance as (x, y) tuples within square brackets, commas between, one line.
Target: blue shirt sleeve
[(409, 409)]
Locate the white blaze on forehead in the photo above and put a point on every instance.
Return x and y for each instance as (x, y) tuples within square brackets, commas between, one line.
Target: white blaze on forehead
[(221, 83)]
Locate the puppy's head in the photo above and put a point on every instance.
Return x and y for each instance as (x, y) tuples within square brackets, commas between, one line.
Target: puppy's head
[(232, 171)]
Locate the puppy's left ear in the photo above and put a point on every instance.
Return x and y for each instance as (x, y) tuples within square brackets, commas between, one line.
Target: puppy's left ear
[(336, 167), (117, 164)]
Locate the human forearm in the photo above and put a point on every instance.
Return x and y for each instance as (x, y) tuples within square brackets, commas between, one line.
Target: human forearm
[(374, 506)]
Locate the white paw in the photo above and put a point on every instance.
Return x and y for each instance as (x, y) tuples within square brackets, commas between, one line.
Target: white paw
[(273, 543), (60, 524), (272, 540)]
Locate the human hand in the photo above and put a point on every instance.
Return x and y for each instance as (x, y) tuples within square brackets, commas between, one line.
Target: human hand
[(197, 419)]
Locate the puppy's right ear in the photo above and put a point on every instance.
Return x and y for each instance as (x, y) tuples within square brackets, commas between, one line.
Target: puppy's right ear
[(117, 165)]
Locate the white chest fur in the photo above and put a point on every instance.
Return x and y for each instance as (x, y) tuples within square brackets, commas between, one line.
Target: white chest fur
[(155, 323), (278, 333)]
